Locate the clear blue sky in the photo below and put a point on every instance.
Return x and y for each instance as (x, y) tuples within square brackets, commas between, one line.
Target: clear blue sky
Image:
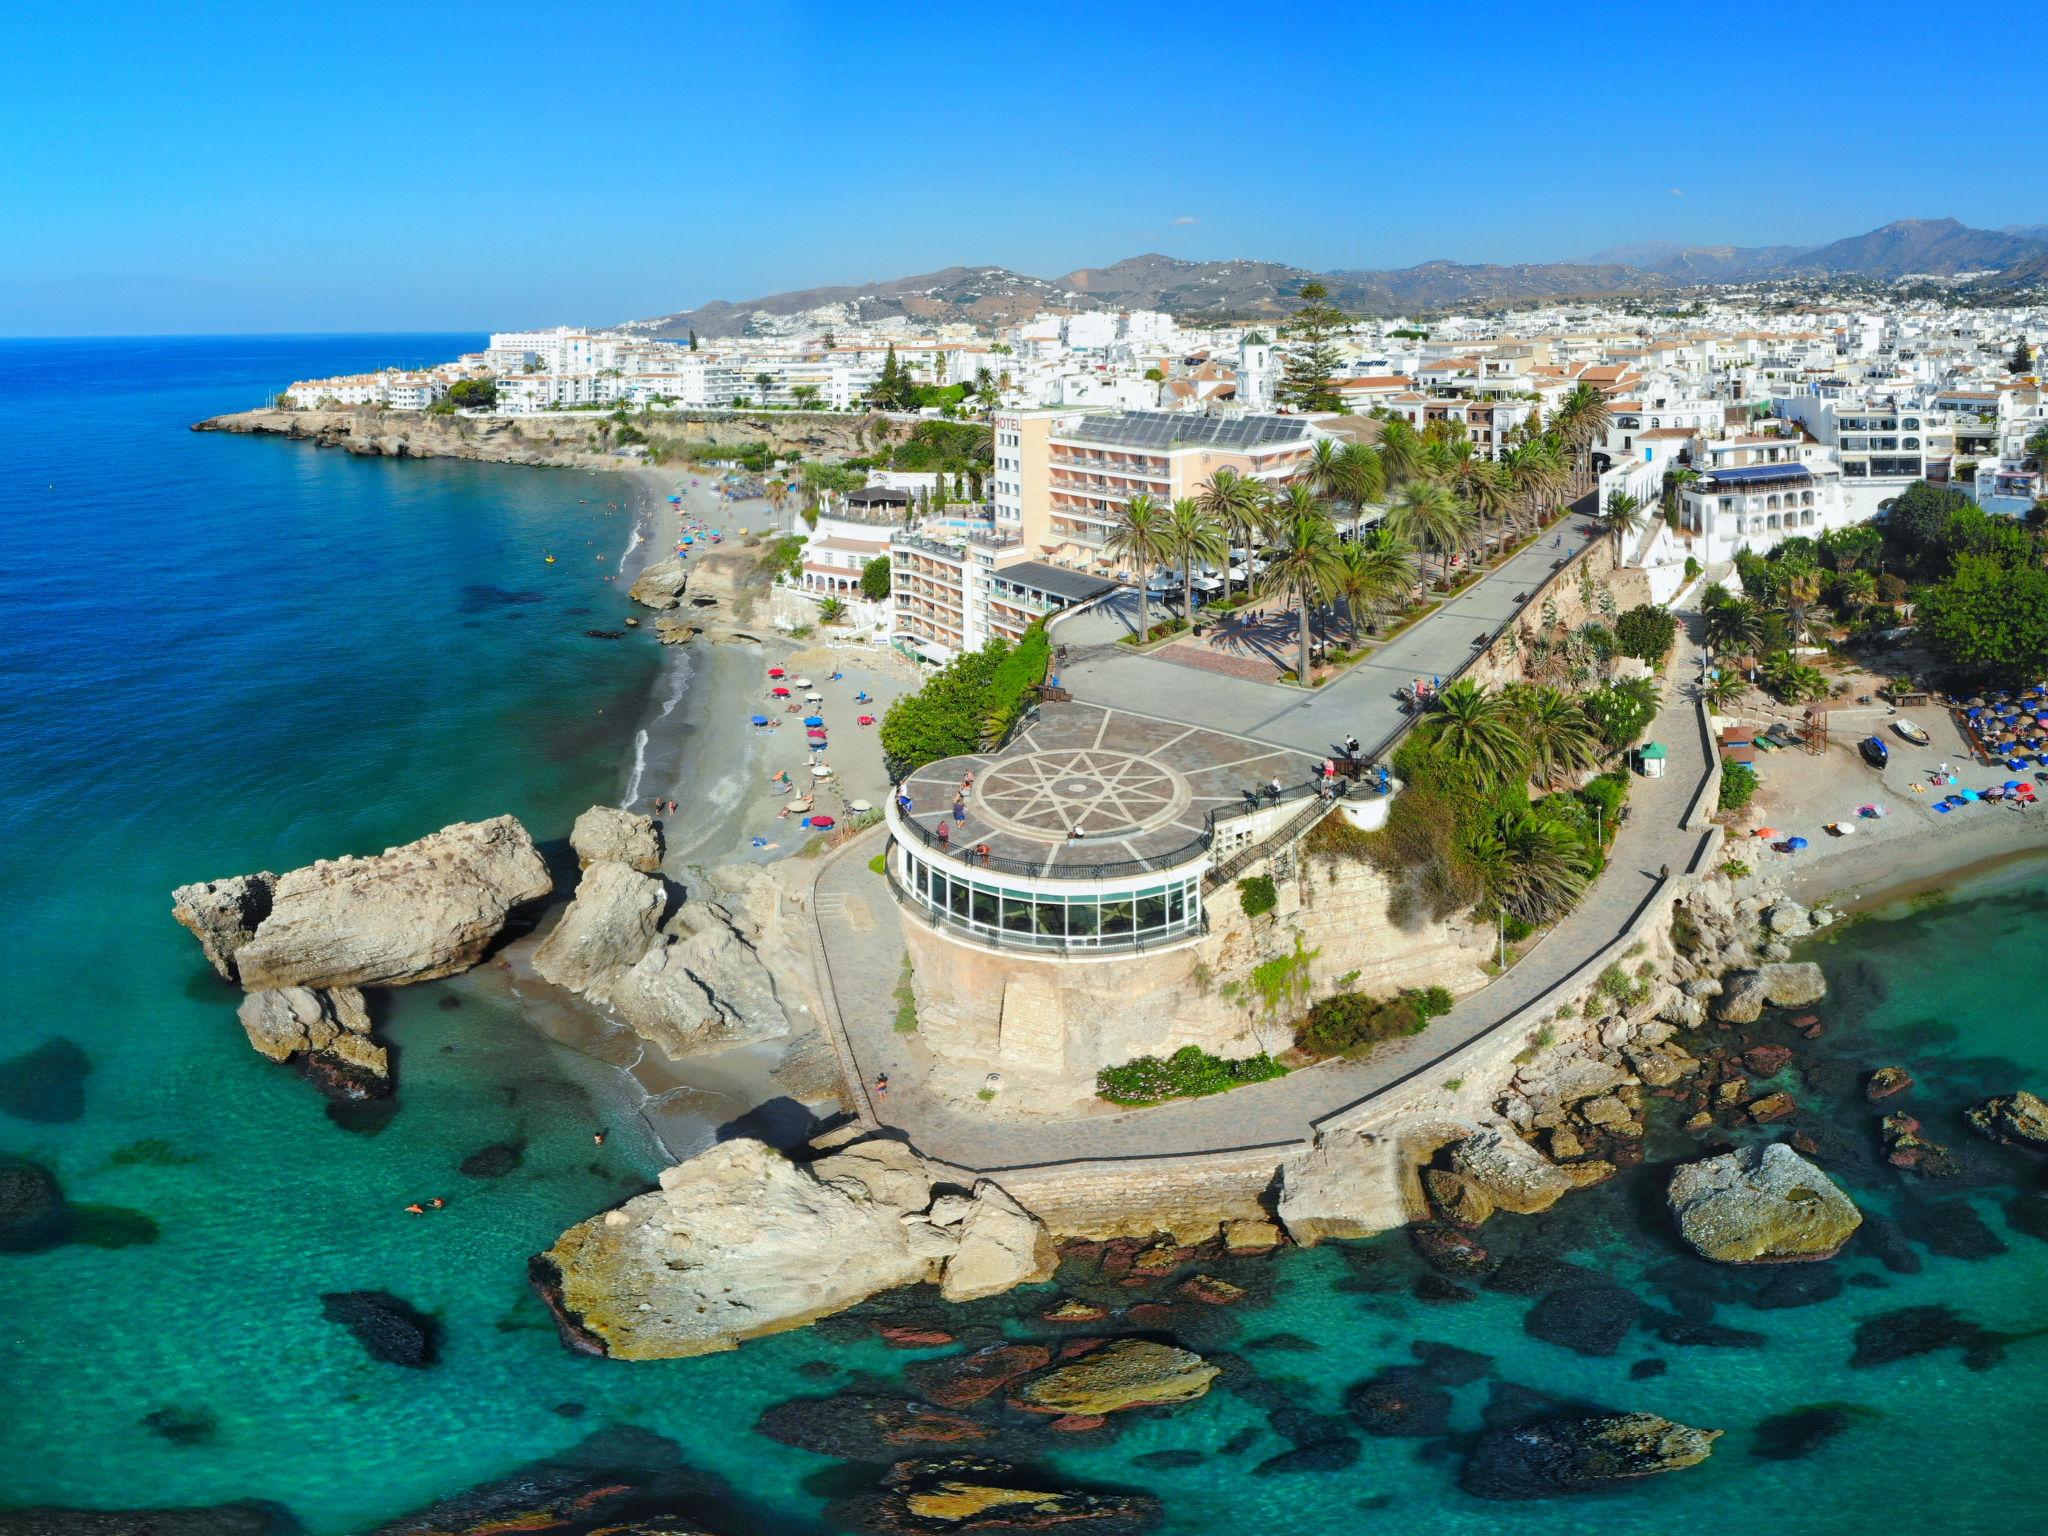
[(453, 166)]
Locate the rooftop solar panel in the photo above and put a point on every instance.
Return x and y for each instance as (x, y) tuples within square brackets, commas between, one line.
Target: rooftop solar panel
[(1164, 429)]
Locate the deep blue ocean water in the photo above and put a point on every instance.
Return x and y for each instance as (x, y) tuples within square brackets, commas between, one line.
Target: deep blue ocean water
[(222, 653)]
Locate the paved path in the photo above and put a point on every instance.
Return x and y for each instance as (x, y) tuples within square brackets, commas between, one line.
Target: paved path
[(1360, 702), (863, 953)]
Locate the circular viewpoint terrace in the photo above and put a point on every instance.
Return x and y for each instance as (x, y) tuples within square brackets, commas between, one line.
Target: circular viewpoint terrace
[(1091, 831)]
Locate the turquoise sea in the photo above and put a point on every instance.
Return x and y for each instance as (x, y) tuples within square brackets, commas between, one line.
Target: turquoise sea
[(222, 654)]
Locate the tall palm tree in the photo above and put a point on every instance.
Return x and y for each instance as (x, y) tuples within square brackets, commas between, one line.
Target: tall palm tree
[(1533, 867), (1676, 479), (1428, 516), (1141, 536), (1375, 570), (1733, 624), (1801, 591), (1362, 478), (1625, 516), (1481, 483), (1193, 535), (1400, 450), (1302, 561), (1480, 730), (1238, 504), (1560, 739), (1532, 469), (1581, 420)]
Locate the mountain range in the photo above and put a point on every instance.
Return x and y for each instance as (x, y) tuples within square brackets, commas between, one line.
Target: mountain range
[(1252, 290)]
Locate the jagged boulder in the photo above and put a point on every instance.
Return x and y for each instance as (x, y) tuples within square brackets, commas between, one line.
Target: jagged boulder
[(604, 834), (935, 1498), (1513, 1175), (737, 1243), (661, 584), (1745, 994), (701, 987), (1788, 920), (2017, 1119), (413, 913), (1761, 1205), (326, 1030), (613, 921), (1542, 1460), (223, 915), (1000, 1245)]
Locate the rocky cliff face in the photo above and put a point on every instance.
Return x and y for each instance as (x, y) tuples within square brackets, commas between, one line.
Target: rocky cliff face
[(740, 1242)]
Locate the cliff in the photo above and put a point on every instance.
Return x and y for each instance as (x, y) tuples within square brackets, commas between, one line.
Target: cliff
[(564, 441)]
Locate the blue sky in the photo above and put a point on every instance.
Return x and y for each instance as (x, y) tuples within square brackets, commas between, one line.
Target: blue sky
[(455, 166)]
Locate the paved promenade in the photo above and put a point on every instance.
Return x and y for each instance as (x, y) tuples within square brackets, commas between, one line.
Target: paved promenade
[(1361, 701), (861, 954)]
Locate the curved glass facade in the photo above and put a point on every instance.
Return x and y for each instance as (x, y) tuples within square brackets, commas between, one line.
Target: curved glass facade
[(1078, 916)]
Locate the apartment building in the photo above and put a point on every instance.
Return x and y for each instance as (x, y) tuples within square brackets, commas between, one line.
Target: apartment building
[(1882, 441), (1757, 489), (957, 593), (1487, 423), (389, 387)]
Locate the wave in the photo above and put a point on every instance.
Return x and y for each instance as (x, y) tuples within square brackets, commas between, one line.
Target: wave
[(681, 672)]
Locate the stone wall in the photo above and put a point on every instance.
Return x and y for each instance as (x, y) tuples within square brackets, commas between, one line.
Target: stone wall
[(1575, 594), (1186, 1196)]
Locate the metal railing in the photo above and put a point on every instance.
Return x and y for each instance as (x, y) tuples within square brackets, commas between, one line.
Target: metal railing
[(1039, 943)]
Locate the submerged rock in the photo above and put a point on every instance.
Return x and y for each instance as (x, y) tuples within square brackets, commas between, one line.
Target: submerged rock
[(1125, 1373), (2017, 1119), (1885, 1082), (1578, 1455), (249, 1517), (1761, 1205), (1801, 1432), (857, 1426), (33, 1215), (1588, 1319), (494, 1161), (738, 1243), (325, 1030), (1401, 1402), (966, 1494), (413, 913), (604, 834), (1909, 1331), (388, 1328), (47, 1084), (961, 1380)]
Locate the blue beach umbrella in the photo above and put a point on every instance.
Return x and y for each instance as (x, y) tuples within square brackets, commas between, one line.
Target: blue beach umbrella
[(760, 719), (675, 498), (814, 719), (1795, 843)]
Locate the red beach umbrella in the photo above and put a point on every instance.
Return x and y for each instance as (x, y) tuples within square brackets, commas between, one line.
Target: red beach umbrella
[(780, 693)]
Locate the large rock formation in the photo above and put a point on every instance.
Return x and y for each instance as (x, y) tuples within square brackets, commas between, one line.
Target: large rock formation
[(961, 1494), (1745, 993), (1001, 1245), (740, 1242), (1761, 1205), (612, 923), (424, 910), (1542, 1460), (1125, 1373), (1340, 1187), (1510, 1173), (223, 915), (605, 834), (2017, 1119), (701, 987), (327, 1031), (661, 585)]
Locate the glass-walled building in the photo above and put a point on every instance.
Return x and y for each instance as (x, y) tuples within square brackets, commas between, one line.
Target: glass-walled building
[(1131, 912)]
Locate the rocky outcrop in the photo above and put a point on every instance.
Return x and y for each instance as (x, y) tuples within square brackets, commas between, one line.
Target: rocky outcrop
[(604, 834), (740, 1242), (1761, 1205), (1000, 1246), (413, 913), (325, 1030), (1125, 1373), (936, 1498), (701, 987), (1339, 1187), (1745, 994), (1564, 1456), (223, 915), (661, 585), (1510, 1173), (670, 630), (611, 924), (2017, 1119), (389, 1329)]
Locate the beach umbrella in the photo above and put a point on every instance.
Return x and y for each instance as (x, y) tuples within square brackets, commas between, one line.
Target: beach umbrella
[(817, 738), (815, 698), (858, 806), (803, 682), (780, 693), (775, 671), (760, 719), (820, 771), (675, 498), (1765, 832), (814, 719), (1794, 844), (821, 821), (867, 719)]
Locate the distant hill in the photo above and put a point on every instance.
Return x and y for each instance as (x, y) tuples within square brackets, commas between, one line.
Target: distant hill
[(1250, 290)]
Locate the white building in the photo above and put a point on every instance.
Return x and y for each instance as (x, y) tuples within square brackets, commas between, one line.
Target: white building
[(1756, 491), (1883, 442)]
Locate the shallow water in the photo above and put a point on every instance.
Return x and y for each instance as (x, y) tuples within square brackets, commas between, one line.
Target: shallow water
[(224, 654)]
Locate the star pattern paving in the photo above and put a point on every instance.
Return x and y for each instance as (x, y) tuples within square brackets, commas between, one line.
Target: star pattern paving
[(1102, 790)]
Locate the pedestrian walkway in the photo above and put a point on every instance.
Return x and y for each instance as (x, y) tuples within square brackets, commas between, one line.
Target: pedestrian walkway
[(862, 964)]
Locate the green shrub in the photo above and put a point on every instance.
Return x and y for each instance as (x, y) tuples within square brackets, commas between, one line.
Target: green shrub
[(1351, 1023), (1646, 632), (1189, 1073), (1735, 869), (1738, 785), (1257, 895)]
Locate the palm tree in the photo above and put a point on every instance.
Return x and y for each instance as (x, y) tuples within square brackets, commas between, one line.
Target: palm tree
[(1400, 452), (1192, 535), (1362, 478), (1533, 867), (1141, 536), (1481, 483), (1676, 479), (1534, 470), (1724, 689), (1428, 516), (1560, 739), (1733, 623), (1581, 421), (1238, 506), (1375, 570), (1855, 590), (1802, 591), (1625, 516), (1302, 561), (1480, 730), (2037, 448)]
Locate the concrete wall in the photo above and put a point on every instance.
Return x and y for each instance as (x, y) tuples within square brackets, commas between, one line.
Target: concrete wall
[(1575, 591)]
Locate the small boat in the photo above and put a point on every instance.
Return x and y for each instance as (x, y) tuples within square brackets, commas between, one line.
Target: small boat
[(1874, 751), (1913, 733)]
